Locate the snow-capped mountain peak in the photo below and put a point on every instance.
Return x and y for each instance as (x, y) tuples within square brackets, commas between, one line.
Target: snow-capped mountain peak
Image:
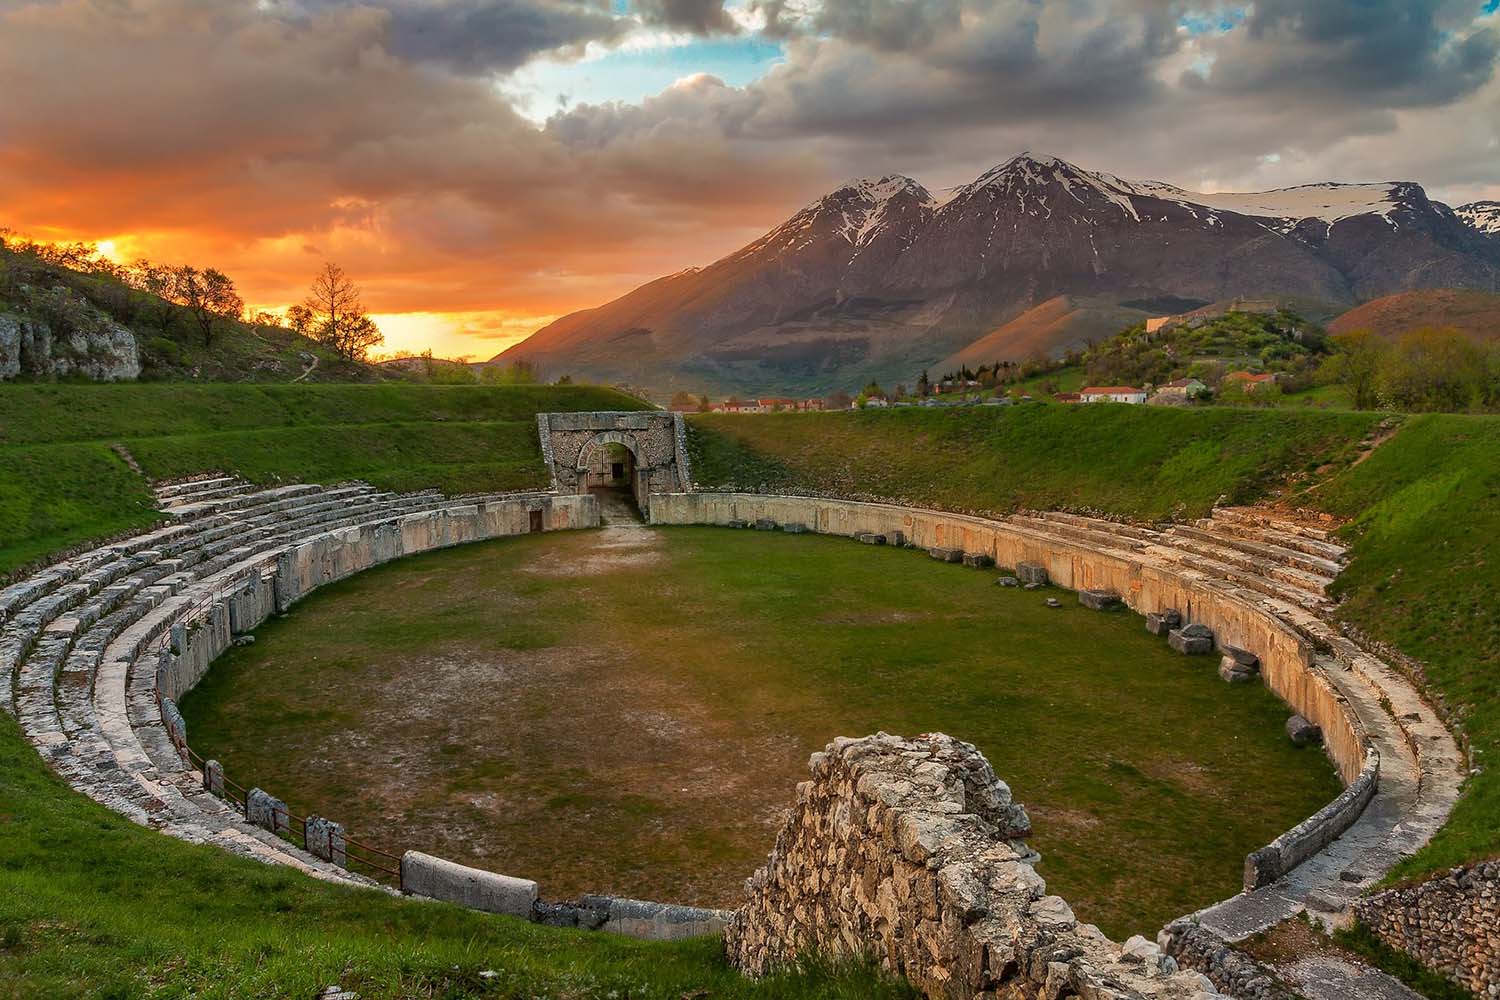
[(1027, 175), (1481, 215)]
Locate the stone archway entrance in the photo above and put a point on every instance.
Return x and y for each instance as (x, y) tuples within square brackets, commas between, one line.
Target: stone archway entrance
[(644, 452)]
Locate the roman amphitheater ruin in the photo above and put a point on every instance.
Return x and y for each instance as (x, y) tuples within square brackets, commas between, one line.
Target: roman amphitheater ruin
[(910, 849)]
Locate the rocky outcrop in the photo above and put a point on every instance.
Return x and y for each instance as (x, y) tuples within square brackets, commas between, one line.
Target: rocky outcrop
[(909, 850), (1451, 924), (61, 336)]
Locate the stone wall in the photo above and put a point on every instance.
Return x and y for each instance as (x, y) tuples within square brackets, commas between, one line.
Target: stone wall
[(909, 851), (1146, 585), (1451, 924), (208, 629)]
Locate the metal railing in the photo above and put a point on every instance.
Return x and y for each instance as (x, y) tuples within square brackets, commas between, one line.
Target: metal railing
[(382, 865)]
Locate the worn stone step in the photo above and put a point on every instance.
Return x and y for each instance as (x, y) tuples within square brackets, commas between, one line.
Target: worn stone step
[(1313, 583), (1275, 553), (1324, 550)]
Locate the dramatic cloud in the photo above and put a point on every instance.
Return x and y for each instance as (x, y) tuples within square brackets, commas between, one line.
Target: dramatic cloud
[(263, 136), (701, 17)]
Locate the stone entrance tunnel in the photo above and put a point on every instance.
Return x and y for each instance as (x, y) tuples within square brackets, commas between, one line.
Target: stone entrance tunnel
[(643, 452)]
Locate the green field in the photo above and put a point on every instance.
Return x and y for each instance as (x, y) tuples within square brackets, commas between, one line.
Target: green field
[(64, 480), (656, 701)]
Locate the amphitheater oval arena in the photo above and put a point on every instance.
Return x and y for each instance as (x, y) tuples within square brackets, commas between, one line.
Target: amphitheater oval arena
[(908, 847)]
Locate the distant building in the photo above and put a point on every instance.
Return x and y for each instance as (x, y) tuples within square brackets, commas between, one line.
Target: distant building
[(1178, 392), (1155, 323), (1112, 394), (1068, 397), (880, 402), (810, 404)]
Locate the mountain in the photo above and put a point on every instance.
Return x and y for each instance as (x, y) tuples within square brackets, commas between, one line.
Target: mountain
[(1481, 215), (879, 278), (1472, 312)]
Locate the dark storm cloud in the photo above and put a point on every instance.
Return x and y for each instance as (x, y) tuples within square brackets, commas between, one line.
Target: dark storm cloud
[(475, 36), (701, 17), (1395, 53), (478, 36)]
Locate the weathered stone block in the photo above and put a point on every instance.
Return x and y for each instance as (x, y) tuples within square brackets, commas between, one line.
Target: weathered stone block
[(425, 875), (1232, 671), (325, 839), (1008, 581), (764, 524), (1053, 602), (794, 528), (213, 778), (1191, 643), (946, 555), (1031, 572), (1163, 622), (897, 538), (870, 538), (737, 524), (1243, 657), (1263, 867), (1099, 600), (267, 811), (978, 560), (1302, 732)]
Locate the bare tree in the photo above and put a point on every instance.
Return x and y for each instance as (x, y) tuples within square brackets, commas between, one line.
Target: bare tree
[(338, 317), (210, 296)]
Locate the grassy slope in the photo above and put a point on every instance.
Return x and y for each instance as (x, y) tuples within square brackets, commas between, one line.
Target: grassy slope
[(94, 906), (1424, 577), (1147, 462), (61, 483)]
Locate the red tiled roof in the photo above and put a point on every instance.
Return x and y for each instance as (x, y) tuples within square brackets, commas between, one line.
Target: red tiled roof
[(1107, 390)]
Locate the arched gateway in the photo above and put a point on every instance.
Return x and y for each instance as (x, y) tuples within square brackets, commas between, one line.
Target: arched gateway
[(645, 451)]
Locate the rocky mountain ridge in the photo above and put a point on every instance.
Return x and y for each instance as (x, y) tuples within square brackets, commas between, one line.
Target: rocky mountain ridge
[(880, 278)]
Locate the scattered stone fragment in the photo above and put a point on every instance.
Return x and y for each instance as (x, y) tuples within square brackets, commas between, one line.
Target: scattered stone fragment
[(793, 528), (1099, 600), (1031, 572), (737, 524), (870, 538), (1053, 602), (1243, 657), (1232, 671), (1008, 581), (978, 560), (1031, 586), (946, 555), (1191, 640), (1163, 622), (244, 640), (1302, 732), (765, 524)]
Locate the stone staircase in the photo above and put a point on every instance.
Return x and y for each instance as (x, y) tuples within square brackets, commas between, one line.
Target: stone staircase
[(76, 639), (1287, 568)]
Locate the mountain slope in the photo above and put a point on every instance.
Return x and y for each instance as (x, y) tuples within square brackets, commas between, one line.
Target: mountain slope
[(878, 278), (1474, 313)]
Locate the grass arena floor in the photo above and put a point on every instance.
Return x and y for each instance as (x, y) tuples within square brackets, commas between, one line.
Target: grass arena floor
[(629, 710)]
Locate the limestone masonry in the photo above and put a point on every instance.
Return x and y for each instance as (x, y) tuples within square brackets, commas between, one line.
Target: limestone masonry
[(1451, 924), (911, 851)]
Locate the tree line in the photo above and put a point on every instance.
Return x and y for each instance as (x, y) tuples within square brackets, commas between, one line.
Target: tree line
[(206, 298)]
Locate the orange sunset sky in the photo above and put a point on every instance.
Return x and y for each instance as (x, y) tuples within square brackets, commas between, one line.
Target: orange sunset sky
[(482, 166)]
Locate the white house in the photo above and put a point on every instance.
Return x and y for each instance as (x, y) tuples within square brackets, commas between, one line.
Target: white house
[(1112, 394)]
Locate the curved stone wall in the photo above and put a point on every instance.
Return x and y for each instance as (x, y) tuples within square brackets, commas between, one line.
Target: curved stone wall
[(1145, 586)]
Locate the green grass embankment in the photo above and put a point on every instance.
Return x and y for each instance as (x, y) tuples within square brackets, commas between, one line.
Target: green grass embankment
[(1144, 462), (61, 482)]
